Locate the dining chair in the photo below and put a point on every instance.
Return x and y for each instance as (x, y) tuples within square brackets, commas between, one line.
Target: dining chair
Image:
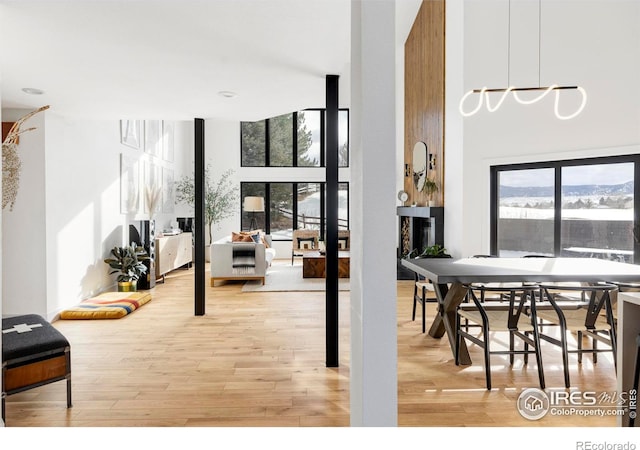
[(515, 315), (622, 287), (588, 313), (486, 295), (421, 288), (304, 241), (536, 255)]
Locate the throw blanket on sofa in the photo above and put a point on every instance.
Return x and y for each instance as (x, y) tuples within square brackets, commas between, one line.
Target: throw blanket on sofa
[(244, 258)]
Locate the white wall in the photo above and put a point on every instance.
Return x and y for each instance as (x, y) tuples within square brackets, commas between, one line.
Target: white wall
[(222, 152), (595, 44), (68, 213), (24, 228), (83, 208)]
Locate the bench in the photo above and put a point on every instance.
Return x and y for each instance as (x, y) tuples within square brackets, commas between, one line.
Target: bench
[(34, 353)]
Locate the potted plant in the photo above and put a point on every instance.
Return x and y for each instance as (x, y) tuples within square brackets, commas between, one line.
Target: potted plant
[(430, 251), (128, 262), (430, 187), (221, 198), (435, 251)]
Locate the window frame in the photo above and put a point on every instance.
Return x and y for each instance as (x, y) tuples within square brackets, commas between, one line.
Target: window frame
[(294, 150), (558, 165), (294, 209)]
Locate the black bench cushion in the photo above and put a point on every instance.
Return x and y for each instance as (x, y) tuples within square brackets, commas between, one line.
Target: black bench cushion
[(39, 340)]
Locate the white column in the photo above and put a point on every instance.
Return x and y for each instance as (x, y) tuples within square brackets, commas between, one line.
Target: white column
[(374, 398), (455, 234)]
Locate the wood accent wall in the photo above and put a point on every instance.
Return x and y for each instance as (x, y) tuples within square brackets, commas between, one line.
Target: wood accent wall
[(424, 94)]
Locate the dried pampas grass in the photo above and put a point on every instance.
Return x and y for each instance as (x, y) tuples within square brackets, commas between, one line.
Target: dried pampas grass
[(152, 196)]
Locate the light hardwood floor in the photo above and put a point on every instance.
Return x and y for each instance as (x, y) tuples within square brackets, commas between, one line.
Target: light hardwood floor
[(257, 359)]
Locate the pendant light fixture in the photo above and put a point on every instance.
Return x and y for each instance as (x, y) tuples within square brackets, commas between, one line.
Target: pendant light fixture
[(484, 92)]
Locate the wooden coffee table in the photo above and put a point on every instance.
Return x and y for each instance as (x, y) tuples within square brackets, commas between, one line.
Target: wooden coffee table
[(313, 265)]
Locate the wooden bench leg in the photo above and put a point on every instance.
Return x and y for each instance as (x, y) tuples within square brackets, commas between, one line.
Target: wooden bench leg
[(68, 377)]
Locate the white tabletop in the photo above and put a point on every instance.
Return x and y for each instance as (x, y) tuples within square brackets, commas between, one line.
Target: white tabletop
[(487, 270)]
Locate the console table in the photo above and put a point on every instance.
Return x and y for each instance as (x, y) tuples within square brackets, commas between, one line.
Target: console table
[(173, 252)]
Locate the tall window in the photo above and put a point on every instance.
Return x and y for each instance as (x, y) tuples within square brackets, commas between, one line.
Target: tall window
[(597, 210), (309, 141), (292, 140), (290, 206), (566, 208), (343, 206), (281, 140), (525, 211), (253, 143), (343, 138), (310, 199), (280, 209), (253, 190)]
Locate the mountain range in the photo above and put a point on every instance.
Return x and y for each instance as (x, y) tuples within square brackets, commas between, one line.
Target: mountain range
[(584, 190)]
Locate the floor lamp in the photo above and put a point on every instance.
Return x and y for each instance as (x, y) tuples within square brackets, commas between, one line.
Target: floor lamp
[(253, 205)]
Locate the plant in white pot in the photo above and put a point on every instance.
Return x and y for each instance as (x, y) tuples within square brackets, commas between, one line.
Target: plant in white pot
[(128, 262), (430, 187)]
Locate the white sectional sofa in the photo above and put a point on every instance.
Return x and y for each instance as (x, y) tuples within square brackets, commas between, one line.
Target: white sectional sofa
[(222, 260)]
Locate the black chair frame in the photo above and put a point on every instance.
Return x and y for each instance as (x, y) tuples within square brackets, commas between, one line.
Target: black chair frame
[(594, 300), (420, 296), (518, 302)]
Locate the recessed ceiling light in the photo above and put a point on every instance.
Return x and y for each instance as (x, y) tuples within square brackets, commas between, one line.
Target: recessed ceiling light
[(33, 91), (227, 94)]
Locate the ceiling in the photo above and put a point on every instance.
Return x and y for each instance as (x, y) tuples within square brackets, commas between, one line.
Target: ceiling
[(169, 59)]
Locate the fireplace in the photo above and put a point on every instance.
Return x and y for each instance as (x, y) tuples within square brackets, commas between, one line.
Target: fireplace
[(419, 227)]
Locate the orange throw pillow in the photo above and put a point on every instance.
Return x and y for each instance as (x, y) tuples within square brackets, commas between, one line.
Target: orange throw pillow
[(240, 237), (256, 235), (250, 233)]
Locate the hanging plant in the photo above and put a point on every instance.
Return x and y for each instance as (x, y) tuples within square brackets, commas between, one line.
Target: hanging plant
[(11, 163)]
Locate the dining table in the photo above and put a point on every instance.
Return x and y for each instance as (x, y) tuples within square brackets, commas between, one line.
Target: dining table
[(604, 253), (450, 276)]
